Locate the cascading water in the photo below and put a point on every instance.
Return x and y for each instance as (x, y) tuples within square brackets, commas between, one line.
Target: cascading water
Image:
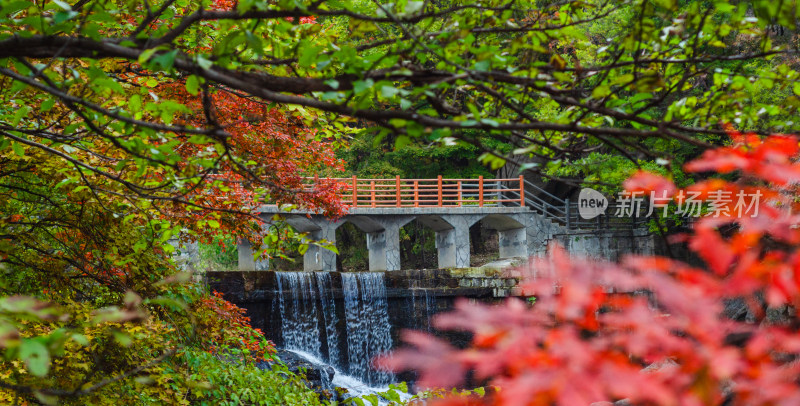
[(299, 314), (309, 321), (429, 302), (368, 329), (324, 288)]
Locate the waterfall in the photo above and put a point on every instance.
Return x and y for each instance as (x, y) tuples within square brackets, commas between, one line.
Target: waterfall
[(324, 288), (430, 308), (429, 304), (299, 315), (368, 329), (309, 320)]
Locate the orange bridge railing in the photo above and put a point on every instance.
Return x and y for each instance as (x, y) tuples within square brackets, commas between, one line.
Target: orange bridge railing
[(439, 192)]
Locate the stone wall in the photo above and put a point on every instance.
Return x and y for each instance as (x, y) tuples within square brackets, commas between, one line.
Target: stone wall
[(610, 245), (413, 295), (607, 244)]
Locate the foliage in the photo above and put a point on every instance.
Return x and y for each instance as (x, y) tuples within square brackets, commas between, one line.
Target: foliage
[(104, 165), (236, 383), (553, 79), (125, 125), (221, 253), (223, 325), (366, 159), (649, 329)]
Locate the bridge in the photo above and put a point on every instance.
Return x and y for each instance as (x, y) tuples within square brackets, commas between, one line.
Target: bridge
[(525, 216)]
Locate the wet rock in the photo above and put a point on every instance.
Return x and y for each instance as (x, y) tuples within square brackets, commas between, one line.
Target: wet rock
[(319, 377), (737, 309)]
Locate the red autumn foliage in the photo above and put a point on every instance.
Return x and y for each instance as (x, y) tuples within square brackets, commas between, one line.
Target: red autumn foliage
[(647, 329), (271, 154), (647, 183), (222, 325)]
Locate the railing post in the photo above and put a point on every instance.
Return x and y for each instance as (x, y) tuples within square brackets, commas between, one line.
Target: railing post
[(521, 191), (480, 191), (355, 191), (440, 190), (459, 193), (566, 202), (416, 193), (397, 186), (372, 190)]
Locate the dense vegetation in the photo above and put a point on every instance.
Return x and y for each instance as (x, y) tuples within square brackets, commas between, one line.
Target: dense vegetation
[(130, 127)]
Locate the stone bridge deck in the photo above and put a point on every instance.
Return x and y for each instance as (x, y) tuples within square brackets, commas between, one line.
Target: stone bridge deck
[(380, 207), (516, 226)]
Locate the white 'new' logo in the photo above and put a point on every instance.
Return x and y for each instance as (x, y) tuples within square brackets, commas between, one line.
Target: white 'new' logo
[(591, 203)]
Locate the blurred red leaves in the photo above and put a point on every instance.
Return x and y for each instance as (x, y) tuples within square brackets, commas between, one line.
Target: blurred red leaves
[(647, 329)]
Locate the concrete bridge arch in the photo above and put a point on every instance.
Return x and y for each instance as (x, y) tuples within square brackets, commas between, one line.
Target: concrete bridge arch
[(382, 227)]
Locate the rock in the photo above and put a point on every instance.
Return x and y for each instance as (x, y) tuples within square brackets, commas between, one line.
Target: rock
[(738, 310), (319, 377)]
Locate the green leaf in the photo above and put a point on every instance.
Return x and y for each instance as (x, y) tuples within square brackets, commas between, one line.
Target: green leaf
[(64, 5), (123, 338), (401, 141), (193, 85), (146, 54), (47, 105), (389, 91), (373, 399), (401, 386), (15, 7), (308, 56), (359, 86), (601, 91), (167, 59), (18, 149), (36, 357), (80, 339), (391, 395), (21, 112), (204, 63), (46, 399)]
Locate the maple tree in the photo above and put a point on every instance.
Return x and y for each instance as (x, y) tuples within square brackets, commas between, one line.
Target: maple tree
[(89, 215), (649, 329), (127, 124)]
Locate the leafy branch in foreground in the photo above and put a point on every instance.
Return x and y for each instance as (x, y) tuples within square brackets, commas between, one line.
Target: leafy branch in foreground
[(553, 79)]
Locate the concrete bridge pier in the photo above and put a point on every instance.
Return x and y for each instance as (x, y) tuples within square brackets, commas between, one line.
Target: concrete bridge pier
[(513, 243), (452, 237), (317, 258), (318, 228), (512, 232), (383, 240), (384, 244), (245, 255)]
